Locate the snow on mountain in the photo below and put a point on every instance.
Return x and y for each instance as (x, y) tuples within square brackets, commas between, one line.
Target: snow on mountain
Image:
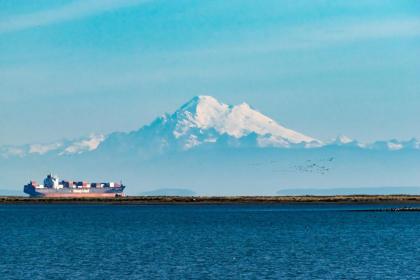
[(11, 151), (65, 147), (345, 141), (206, 121), (387, 145), (395, 145), (206, 113), (44, 148), (201, 122), (392, 145), (413, 144), (84, 145)]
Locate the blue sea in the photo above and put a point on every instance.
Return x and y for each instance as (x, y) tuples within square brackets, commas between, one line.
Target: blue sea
[(208, 242)]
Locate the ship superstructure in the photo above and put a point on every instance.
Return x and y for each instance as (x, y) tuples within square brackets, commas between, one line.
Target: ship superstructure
[(53, 187)]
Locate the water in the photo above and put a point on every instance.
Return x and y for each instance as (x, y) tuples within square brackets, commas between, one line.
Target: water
[(207, 242)]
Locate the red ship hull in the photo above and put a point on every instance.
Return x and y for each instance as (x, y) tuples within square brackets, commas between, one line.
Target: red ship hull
[(81, 195)]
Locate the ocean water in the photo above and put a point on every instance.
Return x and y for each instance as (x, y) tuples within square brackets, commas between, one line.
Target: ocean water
[(207, 242)]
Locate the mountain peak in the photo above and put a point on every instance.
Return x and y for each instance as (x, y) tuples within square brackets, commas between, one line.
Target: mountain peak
[(205, 113), (343, 139), (200, 101)]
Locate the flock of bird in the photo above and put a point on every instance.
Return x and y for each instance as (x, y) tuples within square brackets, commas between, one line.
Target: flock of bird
[(322, 166), (310, 166)]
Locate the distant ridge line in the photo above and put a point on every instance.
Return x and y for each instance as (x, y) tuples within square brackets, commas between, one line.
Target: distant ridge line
[(409, 190)]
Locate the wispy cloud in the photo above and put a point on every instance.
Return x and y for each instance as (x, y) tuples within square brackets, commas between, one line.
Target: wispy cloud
[(318, 35), (74, 10), (225, 61), (366, 30)]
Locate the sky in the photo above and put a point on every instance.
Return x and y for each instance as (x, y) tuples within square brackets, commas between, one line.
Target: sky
[(324, 68)]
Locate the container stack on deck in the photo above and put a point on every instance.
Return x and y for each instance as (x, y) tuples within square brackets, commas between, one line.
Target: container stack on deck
[(54, 188)]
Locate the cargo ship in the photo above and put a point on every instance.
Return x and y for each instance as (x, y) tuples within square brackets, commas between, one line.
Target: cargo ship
[(53, 187)]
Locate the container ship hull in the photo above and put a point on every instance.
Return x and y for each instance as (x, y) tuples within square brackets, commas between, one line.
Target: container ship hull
[(69, 193), (52, 187)]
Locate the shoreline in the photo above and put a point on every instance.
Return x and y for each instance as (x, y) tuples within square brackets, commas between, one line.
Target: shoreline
[(338, 199)]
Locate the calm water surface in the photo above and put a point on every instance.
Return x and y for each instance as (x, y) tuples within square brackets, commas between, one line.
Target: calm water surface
[(207, 242)]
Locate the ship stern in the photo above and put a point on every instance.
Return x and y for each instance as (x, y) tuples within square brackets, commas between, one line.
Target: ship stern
[(30, 190)]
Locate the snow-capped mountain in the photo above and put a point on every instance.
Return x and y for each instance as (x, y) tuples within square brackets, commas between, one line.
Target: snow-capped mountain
[(345, 141), (205, 121), (395, 145), (383, 145), (413, 144), (206, 113), (65, 147), (217, 149)]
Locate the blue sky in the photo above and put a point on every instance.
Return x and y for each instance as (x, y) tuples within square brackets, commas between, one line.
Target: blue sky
[(69, 68)]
